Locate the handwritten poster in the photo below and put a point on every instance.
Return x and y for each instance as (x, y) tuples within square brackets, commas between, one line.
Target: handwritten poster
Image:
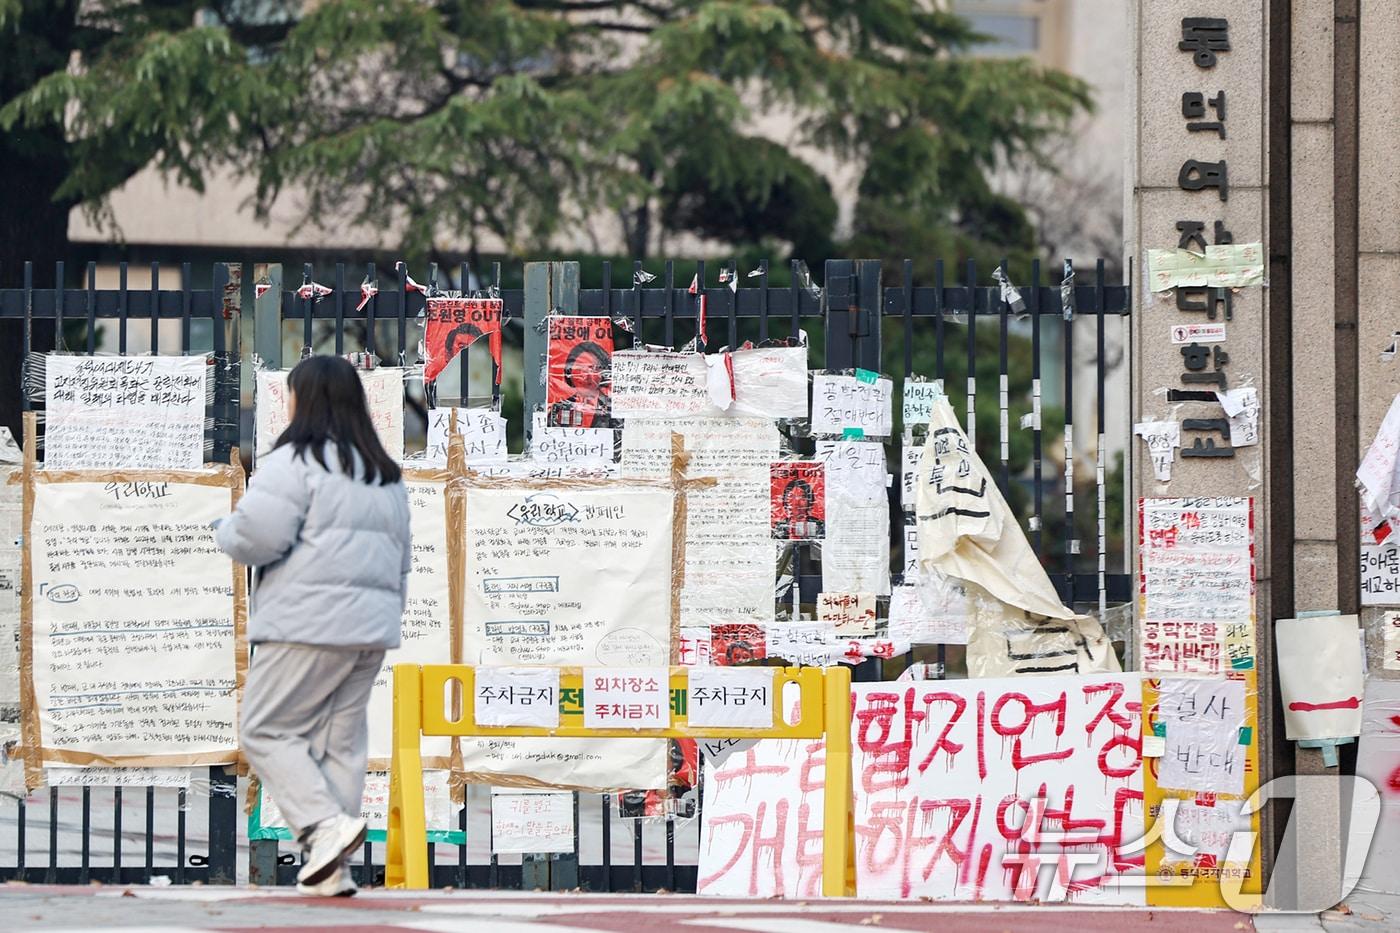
[(918, 400), (1380, 565), (848, 613), (383, 392), (693, 646), (761, 834), (1320, 676), (802, 644), (729, 555), (1196, 584), (578, 385), (483, 434), (856, 552), (797, 500), (970, 790), (1202, 719), (131, 636), (529, 823), (454, 323), (568, 574), (767, 382), (571, 446), (427, 619), (125, 413), (844, 403)]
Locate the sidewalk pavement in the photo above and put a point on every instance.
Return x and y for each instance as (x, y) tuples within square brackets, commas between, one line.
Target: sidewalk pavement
[(141, 909)]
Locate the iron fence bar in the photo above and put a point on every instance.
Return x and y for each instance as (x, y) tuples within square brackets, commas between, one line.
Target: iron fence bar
[(464, 374), (58, 302), (1100, 476), (670, 325), (185, 309), (794, 306), (117, 831), (702, 339), (182, 800), (732, 301), (339, 308), (606, 803), (638, 827), (86, 854), (1003, 392), (53, 832), (372, 277), (1068, 330), (21, 825), (971, 282), (1036, 440), (91, 310), (637, 341), (123, 308), (150, 830)]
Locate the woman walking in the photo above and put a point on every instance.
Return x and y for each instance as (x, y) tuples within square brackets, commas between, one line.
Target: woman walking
[(325, 520)]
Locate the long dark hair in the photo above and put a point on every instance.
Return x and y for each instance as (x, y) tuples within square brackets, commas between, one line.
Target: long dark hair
[(331, 407)]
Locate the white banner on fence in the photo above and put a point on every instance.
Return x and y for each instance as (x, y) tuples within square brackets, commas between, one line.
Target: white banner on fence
[(483, 435), (948, 775), (383, 392), (128, 412)]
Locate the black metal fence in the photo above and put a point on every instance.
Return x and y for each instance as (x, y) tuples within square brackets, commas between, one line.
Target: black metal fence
[(1003, 356)]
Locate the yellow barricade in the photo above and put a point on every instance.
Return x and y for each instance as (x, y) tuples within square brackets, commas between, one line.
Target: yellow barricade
[(420, 708)]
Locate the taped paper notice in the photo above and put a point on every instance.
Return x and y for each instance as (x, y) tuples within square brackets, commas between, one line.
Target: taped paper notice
[(910, 455), (918, 400), (531, 823), (383, 391), (106, 653), (947, 610), (728, 536), (571, 446), (1376, 477), (848, 613), (856, 552), (1202, 750), (627, 698), (1320, 677), (966, 529), (428, 621), (1242, 408), (741, 697), (1197, 333), (1196, 584), (717, 751), (542, 590), (577, 384), (801, 644), (483, 434), (955, 759), (769, 382), (9, 450), (125, 413), (453, 323), (761, 834), (1390, 633), (517, 696), (1163, 438), (848, 402), (1226, 265), (1001, 642), (693, 649)]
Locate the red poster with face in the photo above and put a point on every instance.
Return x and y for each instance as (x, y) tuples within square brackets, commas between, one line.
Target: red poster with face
[(798, 495), (453, 324), (578, 392), (733, 643)]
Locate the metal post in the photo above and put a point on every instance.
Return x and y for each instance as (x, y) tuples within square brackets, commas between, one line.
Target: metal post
[(549, 287)]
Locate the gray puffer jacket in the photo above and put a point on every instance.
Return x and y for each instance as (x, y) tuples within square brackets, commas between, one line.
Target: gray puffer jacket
[(334, 552)]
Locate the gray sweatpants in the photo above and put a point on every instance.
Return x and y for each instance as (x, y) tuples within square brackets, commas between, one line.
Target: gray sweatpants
[(305, 727)]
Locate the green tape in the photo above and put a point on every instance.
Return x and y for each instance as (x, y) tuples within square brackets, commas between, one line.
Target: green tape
[(852, 434), (1242, 664), (1246, 735), (1159, 729), (867, 376)]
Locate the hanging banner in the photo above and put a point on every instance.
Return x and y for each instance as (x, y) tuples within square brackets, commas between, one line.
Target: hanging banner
[(453, 324), (578, 384)]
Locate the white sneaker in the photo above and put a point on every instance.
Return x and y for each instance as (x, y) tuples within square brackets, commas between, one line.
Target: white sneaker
[(339, 884), (328, 842)]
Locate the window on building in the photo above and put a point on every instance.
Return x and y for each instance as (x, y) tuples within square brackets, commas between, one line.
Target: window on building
[(1011, 33)]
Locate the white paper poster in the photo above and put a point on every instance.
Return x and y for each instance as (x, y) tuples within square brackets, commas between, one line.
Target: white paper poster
[(483, 435), (133, 623), (963, 789), (1162, 439), (568, 576), (578, 446), (848, 613), (517, 696), (530, 823), (741, 697), (383, 392), (801, 644), (1378, 761), (768, 382), (1203, 719), (856, 551), (1320, 676), (127, 412), (918, 400), (427, 617), (841, 403), (729, 554), (761, 834), (627, 698)]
